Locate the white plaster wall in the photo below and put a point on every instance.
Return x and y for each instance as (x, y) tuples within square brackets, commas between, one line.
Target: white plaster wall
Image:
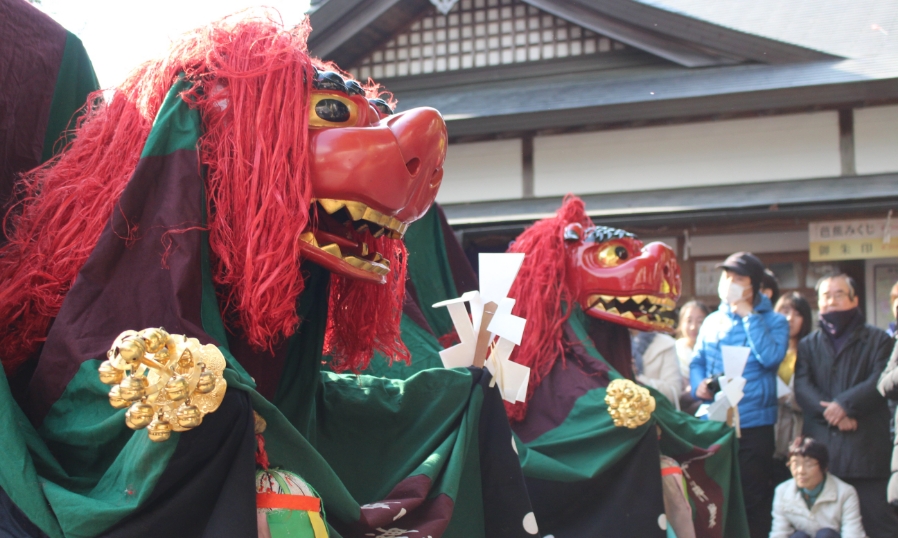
[(876, 139), (711, 153), (759, 243), (482, 171)]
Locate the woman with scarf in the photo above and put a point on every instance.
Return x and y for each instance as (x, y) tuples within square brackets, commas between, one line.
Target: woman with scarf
[(836, 373)]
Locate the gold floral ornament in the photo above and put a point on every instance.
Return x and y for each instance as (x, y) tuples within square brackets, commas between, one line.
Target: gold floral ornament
[(629, 404), (167, 382)]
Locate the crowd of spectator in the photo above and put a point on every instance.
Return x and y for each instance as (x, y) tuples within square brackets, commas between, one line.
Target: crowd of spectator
[(814, 421)]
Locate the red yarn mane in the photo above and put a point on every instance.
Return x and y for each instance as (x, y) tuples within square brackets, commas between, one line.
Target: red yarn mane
[(252, 82), (539, 290)]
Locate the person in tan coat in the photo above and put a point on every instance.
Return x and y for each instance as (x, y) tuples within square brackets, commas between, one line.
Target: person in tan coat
[(814, 503)]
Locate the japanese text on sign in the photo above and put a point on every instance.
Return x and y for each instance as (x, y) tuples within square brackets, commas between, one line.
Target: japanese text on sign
[(852, 239)]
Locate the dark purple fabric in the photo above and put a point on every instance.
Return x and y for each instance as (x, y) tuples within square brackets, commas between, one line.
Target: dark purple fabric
[(559, 391), (31, 49), (612, 342), (704, 492), (406, 507), (126, 283), (462, 273), (839, 326), (263, 366)]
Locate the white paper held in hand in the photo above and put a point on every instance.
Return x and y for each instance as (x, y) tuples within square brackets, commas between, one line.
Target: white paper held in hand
[(734, 359), (497, 274), (461, 354)]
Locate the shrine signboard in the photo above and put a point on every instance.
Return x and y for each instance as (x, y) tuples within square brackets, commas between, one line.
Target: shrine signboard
[(853, 239)]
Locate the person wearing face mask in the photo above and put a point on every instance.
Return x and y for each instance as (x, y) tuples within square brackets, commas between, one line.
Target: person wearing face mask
[(836, 378), (746, 318)]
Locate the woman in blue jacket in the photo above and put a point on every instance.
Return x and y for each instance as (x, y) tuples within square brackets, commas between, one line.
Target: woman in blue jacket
[(746, 318)]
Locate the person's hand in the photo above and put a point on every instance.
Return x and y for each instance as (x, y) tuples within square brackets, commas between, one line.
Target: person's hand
[(742, 308), (833, 413), (703, 392), (847, 424)]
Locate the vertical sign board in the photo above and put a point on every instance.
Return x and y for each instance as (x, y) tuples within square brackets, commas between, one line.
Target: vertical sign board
[(852, 240)]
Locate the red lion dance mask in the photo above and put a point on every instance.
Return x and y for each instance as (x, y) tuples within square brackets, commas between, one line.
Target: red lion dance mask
[(300, 161), (610, 273)]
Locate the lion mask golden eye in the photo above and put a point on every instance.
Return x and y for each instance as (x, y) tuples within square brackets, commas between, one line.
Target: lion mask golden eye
[(612, 255), (330, 110)]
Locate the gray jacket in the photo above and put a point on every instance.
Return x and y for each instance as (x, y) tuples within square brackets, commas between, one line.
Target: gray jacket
[(850, 378), (888, 387)]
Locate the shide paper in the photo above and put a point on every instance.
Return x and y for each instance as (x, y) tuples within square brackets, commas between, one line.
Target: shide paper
[(503, 332)]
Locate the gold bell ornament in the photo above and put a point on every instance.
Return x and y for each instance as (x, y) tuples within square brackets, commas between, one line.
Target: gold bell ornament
[(177, 388), (133, 388), (132, 349), (167, 382), (206, 384), (139, 416), (109, 374), (155, 339), (116, 400), (159, 430), (189, 415), (629, 405)]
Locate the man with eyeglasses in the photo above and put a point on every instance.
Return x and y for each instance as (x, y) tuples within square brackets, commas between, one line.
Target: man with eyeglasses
[(836, 373)]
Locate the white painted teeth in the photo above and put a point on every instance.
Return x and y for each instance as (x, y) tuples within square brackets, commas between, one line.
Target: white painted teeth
[(364, 215)]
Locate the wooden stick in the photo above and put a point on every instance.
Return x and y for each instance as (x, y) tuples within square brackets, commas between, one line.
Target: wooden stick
[(483, 337)]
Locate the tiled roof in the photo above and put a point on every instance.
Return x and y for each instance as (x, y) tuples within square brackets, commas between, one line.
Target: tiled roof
[(645, 85), (847, 28), (658, 205)]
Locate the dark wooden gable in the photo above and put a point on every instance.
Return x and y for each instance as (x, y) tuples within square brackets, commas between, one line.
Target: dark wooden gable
[(480, 33)]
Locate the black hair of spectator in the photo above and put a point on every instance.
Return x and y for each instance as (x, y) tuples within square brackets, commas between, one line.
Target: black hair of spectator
[(769, 282), (852, 283), (800, 305), (809, 447)]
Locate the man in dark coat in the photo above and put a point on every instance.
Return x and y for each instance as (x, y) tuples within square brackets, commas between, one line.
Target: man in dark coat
[(836, 373)]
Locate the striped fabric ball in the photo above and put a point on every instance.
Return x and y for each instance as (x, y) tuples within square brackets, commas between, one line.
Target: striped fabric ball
[(287, 506)]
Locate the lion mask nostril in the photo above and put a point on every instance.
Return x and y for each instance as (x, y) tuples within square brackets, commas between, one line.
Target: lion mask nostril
[(413, 166)]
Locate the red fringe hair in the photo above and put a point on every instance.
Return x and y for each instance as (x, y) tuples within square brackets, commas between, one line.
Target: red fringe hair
[(539, 290), (252, 82)]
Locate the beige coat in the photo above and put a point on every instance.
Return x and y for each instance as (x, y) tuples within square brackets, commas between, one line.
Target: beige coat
[(836, 508), (660, 368)]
